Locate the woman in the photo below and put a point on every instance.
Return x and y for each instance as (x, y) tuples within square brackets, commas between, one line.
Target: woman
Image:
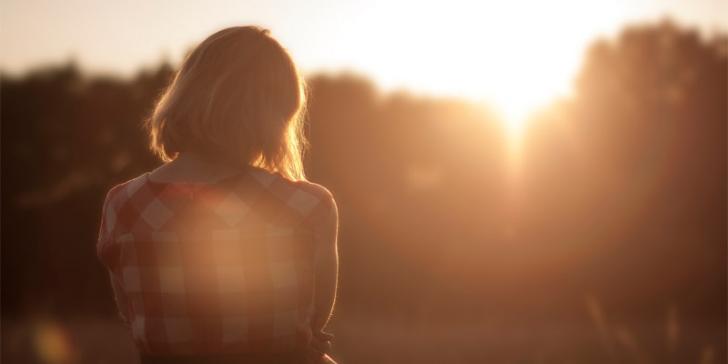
[(225, 253)]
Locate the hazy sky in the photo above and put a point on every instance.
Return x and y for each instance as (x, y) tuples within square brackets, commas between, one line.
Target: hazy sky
[(515, 53)]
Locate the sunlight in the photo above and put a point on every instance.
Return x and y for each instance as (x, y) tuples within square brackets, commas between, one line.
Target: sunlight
[(53, 343), (514, 57)]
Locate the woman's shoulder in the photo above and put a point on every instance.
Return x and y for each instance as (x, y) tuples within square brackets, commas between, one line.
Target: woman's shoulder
[(303, 196), (121, 192), (319, 191)]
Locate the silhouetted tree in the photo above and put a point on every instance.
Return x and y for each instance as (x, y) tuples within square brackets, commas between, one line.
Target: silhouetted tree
[(620, 195)]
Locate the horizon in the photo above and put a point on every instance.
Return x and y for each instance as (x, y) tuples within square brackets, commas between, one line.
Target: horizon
[(593, 233), (509, 84)]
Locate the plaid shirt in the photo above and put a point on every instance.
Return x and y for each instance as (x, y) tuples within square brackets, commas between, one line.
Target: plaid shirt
[(218, 268)]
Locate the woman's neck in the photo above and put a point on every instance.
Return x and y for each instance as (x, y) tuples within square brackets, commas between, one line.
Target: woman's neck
[(192, 167)]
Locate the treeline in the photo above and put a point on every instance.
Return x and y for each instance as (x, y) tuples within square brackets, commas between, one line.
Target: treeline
[(618, 194)]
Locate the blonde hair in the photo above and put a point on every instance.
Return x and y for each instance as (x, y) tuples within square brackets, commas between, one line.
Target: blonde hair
[(237, 98)]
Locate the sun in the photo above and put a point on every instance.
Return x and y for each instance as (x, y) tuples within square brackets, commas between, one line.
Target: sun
[(514, 113), (516, 56)]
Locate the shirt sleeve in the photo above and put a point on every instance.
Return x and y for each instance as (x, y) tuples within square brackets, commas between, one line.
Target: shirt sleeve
[(104, 243), (325, 221), (109, 253)]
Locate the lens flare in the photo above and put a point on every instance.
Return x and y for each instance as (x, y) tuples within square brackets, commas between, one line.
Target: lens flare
[(53, 344)]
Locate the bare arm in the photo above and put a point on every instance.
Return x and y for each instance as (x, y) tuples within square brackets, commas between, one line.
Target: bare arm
[(122, 302)]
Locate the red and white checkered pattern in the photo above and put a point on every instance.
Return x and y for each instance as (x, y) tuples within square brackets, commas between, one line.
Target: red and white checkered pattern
[(214, 268)]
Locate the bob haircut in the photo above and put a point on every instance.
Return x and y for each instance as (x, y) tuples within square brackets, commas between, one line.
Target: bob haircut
[(238, 99)]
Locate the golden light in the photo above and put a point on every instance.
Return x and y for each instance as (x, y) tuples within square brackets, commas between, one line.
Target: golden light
[(53, 343), (514, 56)]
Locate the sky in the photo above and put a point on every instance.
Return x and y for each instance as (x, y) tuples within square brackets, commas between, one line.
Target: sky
[(514, 55)]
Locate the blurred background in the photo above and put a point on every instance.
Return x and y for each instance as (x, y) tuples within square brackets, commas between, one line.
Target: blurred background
[(518, 182)]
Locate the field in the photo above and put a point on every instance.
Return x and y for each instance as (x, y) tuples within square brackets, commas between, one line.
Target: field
[(366, 340)]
